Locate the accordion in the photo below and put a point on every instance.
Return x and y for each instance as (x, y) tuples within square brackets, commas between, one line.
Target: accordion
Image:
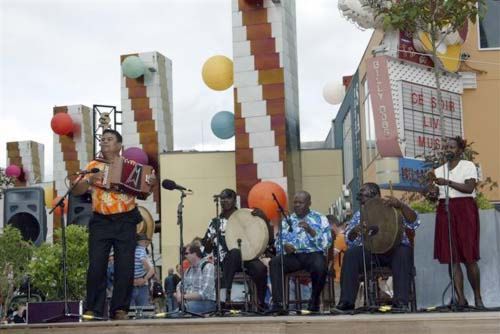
[(127, 176)]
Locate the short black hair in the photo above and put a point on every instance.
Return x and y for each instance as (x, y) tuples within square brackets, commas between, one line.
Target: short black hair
[(117, 134), (461, 143), (228, 193), (373, 189)]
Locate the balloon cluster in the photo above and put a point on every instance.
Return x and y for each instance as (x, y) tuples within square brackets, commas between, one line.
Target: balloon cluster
[(217, 74), (13, 171)]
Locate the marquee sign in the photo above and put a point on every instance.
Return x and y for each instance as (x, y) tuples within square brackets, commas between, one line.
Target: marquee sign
[(422, 129), (383, 108)]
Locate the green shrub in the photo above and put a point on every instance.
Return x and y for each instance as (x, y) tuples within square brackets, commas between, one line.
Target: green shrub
[(46, 266)]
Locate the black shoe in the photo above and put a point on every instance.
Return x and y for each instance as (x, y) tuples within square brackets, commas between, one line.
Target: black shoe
[(277, 309), (343, 306), (398, 307), (313, 308)]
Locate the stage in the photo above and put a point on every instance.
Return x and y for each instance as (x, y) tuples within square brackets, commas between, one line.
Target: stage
[(412, 323)]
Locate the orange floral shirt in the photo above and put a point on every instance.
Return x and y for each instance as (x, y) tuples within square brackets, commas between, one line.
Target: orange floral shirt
[(105, 201)]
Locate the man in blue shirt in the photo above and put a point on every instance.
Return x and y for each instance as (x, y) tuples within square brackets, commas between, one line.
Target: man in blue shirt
[(305, 242), (400, 259)]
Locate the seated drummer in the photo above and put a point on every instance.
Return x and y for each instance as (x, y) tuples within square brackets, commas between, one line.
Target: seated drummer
[(399, 259), (231, 259), (305, 242)]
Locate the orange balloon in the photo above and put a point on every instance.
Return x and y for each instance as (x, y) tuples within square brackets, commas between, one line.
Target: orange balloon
[(261, 196), (57, 211)]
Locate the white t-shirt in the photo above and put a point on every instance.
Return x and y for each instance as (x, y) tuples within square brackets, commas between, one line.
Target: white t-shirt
[(465, 170)]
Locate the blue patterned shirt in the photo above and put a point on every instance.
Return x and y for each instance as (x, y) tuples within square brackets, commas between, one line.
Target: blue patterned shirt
[(303, 241), (356, 219)]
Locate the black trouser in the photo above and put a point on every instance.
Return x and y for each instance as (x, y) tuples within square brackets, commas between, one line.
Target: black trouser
[(118, 231), (255, 269), (400, 260), (314, 263)]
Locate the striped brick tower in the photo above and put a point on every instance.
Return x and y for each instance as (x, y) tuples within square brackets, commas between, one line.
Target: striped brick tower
[(266, 95), (147, 114), (72, 153), (28, 155)]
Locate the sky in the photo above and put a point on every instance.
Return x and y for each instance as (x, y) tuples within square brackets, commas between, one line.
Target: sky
[(67, 52)]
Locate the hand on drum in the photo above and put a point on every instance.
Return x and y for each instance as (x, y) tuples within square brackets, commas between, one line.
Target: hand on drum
[(259, 213), (393, 201), (289, 249)]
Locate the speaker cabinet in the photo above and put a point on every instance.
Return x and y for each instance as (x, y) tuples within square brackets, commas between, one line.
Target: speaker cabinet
[(24, 208), (80, 209), (53, 311)]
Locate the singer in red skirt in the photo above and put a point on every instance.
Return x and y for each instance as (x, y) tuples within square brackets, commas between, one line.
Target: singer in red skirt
[(457, 180)]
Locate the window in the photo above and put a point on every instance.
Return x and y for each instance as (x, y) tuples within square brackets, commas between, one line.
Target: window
[(347, 149), (370, 140), (489, 25)]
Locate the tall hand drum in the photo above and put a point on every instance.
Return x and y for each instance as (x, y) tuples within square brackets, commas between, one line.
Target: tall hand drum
[(252, 231), (384, 222)]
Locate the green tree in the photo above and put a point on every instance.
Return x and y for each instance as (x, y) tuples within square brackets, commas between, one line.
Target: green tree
[(15, 255), (438, 18), (46, 266)]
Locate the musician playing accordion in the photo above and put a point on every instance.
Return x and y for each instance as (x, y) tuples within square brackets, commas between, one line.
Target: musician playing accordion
[(399, 258), (113, 224)]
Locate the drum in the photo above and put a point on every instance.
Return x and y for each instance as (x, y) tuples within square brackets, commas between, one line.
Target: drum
[(251, 230), (147, 225), (127, 176), (384, 226)]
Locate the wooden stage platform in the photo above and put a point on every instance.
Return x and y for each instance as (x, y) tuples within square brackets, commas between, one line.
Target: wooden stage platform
[(414, 323)]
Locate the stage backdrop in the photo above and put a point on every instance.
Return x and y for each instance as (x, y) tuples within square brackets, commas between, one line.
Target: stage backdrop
[(432, 277)]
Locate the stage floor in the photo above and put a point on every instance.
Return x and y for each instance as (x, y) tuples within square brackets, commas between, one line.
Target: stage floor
[(414, 323)]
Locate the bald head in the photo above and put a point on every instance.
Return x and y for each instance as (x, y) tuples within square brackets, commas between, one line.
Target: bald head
[(301, 203)]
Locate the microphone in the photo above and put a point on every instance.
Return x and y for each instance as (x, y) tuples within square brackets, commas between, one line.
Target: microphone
[(373, 230), (171, 185), (85, 172), (290, 229)]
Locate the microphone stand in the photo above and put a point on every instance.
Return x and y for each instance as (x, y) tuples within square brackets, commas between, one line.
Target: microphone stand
[(66, 312), (454, 302), (182, 311), (280, 232)]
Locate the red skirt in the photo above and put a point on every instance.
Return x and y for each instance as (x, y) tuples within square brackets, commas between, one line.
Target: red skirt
[(465, 231)]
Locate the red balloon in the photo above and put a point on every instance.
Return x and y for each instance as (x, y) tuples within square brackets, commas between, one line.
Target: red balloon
[(62, 124), (57, 211), (261, 196)]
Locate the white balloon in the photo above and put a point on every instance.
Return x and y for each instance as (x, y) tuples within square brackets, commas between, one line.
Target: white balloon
[(333, 92)]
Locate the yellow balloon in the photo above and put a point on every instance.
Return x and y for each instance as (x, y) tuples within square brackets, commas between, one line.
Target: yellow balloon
[(217, 72)]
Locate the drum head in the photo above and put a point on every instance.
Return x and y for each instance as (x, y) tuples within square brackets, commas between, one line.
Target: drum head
[(388, 222), (252, 231), (147, 225)]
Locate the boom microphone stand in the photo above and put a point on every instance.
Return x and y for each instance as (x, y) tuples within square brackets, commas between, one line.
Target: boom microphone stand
[(182, 311), (280, 232), (66, 312)]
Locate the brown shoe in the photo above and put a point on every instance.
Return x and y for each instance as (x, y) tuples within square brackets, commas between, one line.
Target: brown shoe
[(120, 315)]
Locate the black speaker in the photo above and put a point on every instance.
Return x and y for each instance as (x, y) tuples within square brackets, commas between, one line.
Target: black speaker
[(79, 209), (24, 209), (38, 313)]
